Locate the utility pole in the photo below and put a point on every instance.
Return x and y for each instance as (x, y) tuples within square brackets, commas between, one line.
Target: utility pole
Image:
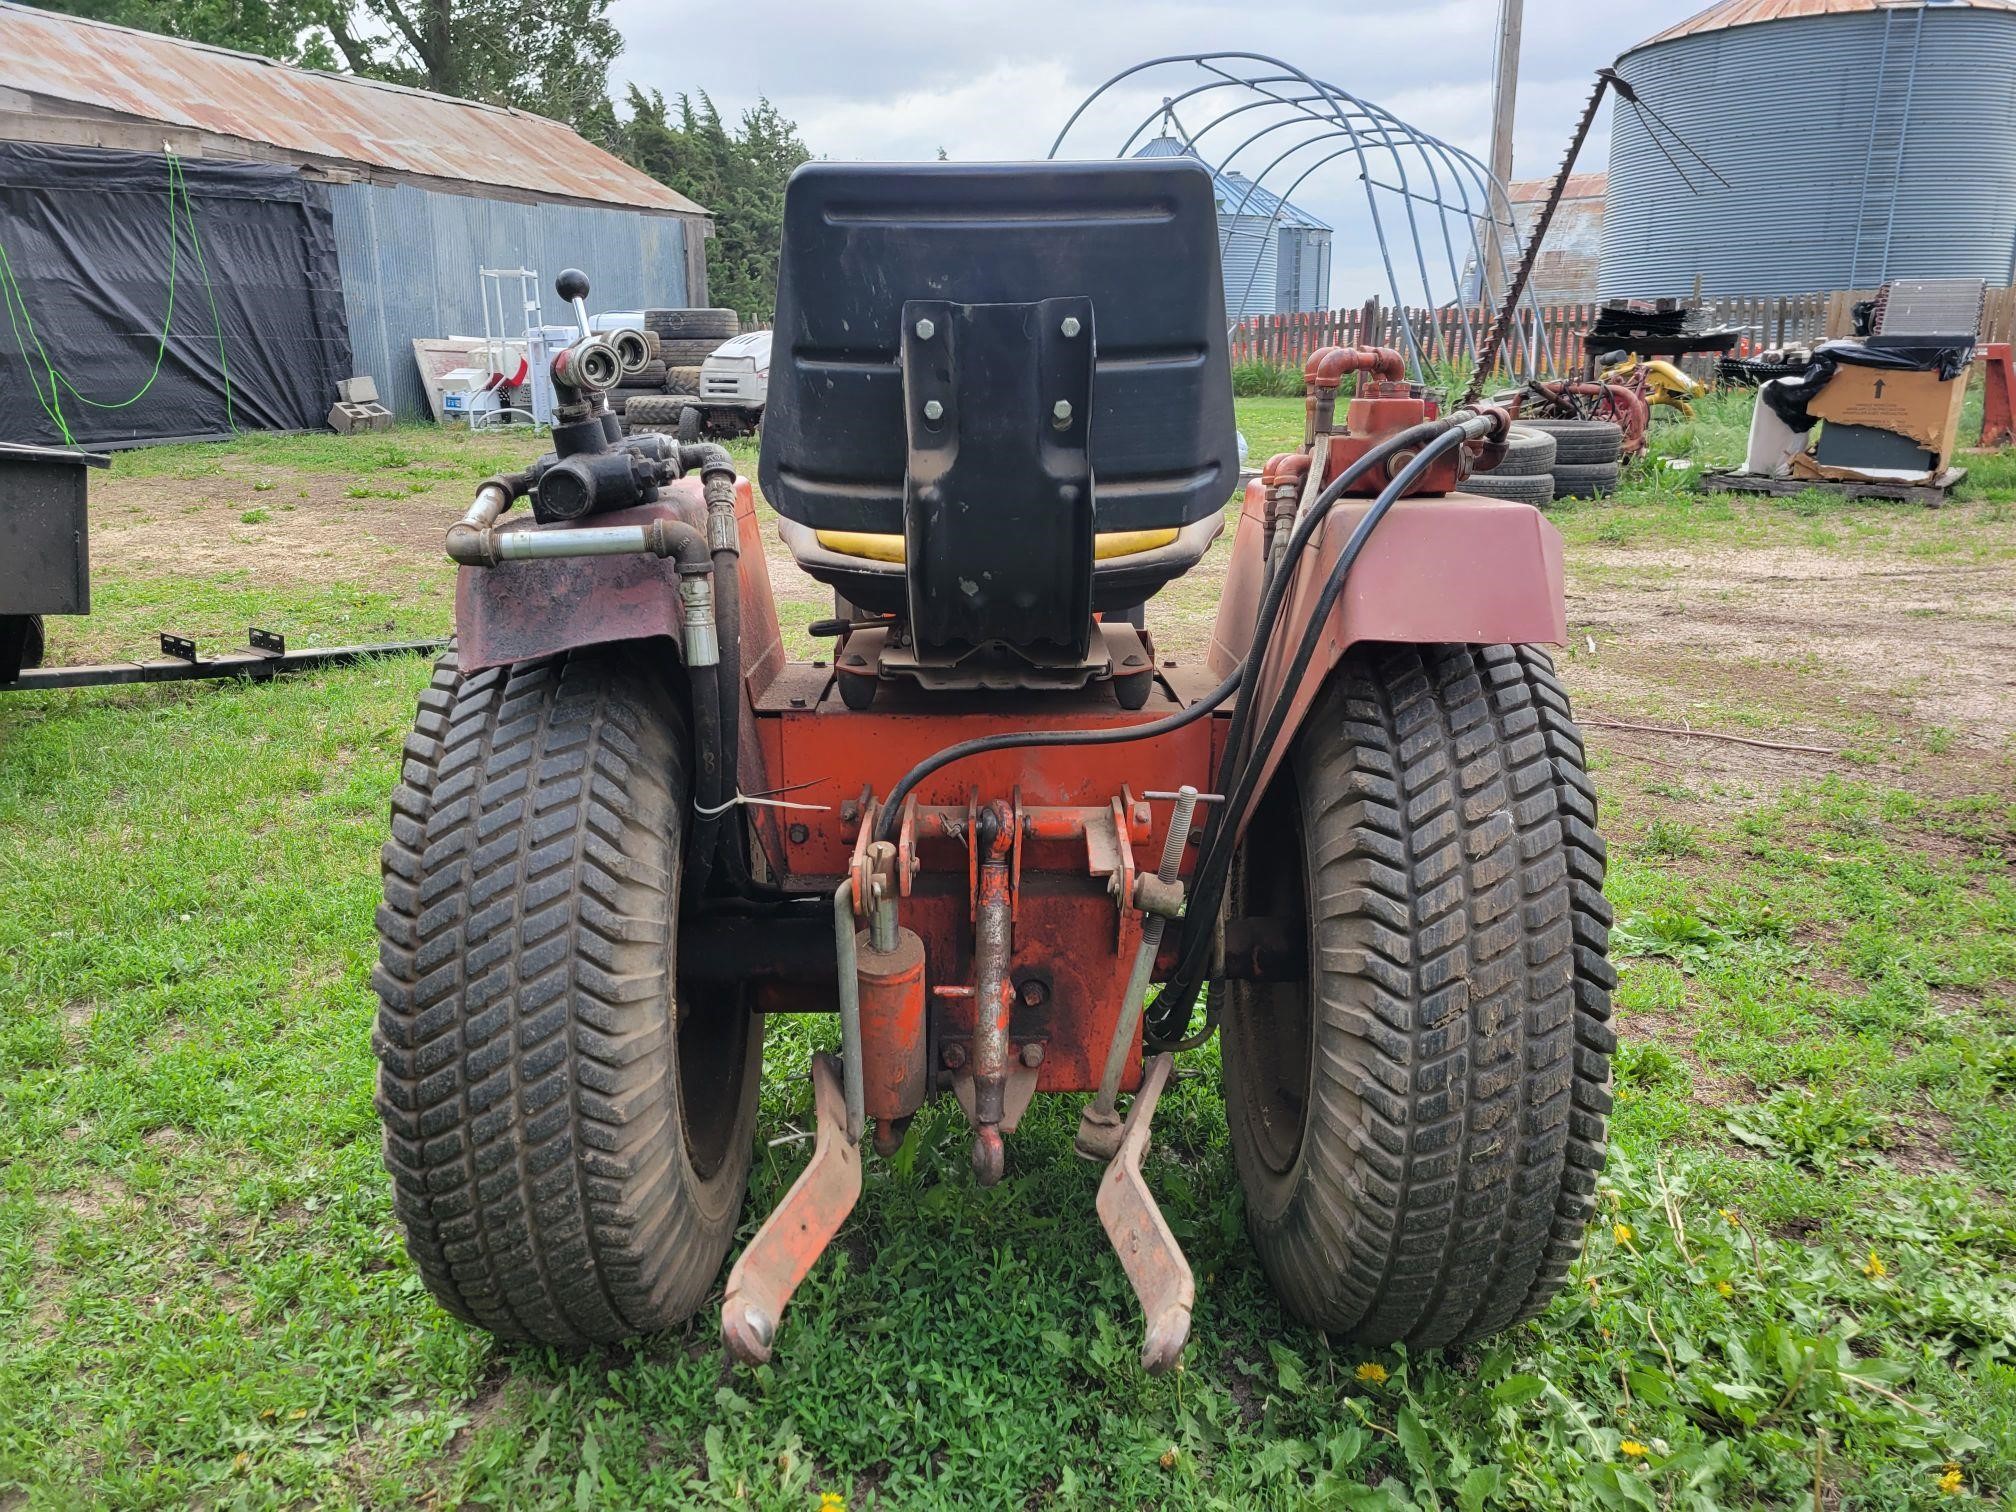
[(1504, 105)]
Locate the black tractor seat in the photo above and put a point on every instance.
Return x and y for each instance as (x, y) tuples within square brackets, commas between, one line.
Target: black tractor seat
[(1000, 398)]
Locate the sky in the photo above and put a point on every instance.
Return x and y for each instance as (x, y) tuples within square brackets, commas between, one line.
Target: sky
[(898, 80)]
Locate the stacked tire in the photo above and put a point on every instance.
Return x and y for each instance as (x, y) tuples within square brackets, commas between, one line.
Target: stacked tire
[(1588, 456), (651, 378), (1524, 473), (646, 413), (688, 338)]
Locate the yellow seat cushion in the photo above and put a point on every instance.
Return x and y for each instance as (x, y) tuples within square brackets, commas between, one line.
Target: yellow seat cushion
[(889, 548)]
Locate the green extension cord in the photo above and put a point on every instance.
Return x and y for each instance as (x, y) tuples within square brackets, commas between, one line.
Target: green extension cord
[(18, 318)]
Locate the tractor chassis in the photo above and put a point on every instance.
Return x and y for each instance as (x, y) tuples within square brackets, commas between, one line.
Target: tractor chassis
[(680, 814)]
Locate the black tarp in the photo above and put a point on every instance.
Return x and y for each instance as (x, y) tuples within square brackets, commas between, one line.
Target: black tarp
[(87, 236)]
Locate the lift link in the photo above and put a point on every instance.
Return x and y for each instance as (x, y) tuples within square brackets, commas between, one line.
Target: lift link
[(993, 989), (1099, 1129), (795, 1235), (1127, 1209), (801, 1227)]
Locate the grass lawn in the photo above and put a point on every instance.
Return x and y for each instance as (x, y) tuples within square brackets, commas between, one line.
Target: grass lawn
[(1801, 1290)]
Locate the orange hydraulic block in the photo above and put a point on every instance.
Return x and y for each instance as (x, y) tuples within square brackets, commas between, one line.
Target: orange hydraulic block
[(894, 1073)]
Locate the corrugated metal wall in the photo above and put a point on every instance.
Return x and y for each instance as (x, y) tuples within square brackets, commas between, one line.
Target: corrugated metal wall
[(409, 259), (1858, 147)]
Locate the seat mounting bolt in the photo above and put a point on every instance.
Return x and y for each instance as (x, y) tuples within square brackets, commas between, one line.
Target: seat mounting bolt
[(933, 410), (1071, 326), (1062, 410), (926, 330)]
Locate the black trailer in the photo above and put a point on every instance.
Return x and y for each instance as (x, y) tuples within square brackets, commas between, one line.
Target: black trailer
[(45, 557)]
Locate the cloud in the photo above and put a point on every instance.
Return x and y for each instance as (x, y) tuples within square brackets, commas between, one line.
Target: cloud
[(896, 80)]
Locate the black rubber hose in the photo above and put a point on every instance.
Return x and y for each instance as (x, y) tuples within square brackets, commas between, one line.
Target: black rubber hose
[(892, 811), (1207, 886), (885, 828), (708, 793), (1277, 587)]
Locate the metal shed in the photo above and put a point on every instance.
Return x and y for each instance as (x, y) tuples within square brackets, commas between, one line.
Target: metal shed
[(424, 188), (1276, 257), (1862, 140)]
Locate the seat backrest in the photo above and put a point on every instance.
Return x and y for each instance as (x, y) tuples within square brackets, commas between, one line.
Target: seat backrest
[(1137, 238)]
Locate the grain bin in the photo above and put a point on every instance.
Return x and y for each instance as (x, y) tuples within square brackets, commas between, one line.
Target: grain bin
[(1862, 140)]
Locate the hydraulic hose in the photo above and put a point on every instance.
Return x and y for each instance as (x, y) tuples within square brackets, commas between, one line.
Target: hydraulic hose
[(1214, 867), (891, 816), (892, 811), (724, 831)]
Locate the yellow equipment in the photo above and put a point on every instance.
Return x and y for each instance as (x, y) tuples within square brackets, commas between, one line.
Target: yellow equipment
[(1658, 381)]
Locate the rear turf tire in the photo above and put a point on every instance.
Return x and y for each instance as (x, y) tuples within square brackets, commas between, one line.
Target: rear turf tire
[(1419, 1126), (569, 1146)]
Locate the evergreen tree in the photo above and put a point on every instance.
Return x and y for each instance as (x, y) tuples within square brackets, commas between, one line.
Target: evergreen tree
[(739, 175)]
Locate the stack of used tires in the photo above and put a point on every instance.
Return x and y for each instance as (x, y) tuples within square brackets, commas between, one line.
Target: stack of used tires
[(681, 340), (1588, 456), (1547, 460), (1525, 472), (688, 337)]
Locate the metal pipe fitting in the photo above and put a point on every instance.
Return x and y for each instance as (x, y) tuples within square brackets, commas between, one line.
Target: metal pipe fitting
[(588, 366), (850, 1009), (632, 350), (468, 536), (702, 641), (475, 540)]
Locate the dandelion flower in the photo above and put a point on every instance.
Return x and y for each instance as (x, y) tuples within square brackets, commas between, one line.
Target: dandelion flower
[(1952, 1482), (1874, 1268), (1632, 1449), (1729, 1216), (832, 1501), (1622, 1232), (1169, 1458), (1725, 1288), (1372, 1373)]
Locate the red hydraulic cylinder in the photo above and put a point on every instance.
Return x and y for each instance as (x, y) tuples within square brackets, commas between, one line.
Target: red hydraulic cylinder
[(894, 1073)]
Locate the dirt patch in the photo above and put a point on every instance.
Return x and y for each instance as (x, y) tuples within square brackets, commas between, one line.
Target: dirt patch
[(1918, 1144), (1826, 631), (312, 530), (94, 1203), (1675, 1033)]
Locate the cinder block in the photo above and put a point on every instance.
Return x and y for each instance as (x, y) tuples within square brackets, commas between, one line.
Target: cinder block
[(362, 390), (347, 419)]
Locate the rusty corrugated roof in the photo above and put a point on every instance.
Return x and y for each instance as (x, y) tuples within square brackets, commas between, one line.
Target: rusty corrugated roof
[(328, 116), (1581, 186), (1749, 12)]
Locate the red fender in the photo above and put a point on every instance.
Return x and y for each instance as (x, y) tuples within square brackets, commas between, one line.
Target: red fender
[(1450, 569)]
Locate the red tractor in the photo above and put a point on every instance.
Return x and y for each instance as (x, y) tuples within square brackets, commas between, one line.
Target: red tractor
[(1359, 842)]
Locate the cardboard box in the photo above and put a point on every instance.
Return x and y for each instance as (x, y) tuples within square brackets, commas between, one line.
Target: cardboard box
[(1922, 407)]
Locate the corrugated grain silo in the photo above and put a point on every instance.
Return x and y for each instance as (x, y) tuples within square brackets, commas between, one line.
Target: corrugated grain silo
[(1862, 140)]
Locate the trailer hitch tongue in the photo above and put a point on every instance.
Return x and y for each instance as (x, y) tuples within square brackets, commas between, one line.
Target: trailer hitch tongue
[(1140, 1234), (794, 1236)]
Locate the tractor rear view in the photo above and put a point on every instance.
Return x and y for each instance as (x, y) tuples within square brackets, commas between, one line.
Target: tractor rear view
[(1359, 842)]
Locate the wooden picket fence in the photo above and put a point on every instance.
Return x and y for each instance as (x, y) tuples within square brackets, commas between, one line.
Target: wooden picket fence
[(1447, 334)]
